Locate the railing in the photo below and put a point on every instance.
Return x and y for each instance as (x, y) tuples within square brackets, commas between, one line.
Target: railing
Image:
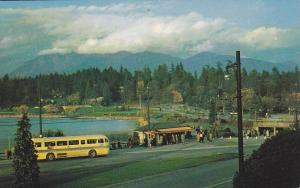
[(2, 156), (114, 145), (273, 121)]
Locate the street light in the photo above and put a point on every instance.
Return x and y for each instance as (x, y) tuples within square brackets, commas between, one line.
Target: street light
[(237, 68), (40, 105), (296, 109), (148, 106)]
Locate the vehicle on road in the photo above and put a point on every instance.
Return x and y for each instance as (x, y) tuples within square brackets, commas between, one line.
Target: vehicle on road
[(51, 148)]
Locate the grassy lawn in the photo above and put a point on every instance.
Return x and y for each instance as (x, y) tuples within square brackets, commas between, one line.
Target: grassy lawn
[(55, 174), (7, 113), (142, 169), (105, 111), (86, 111)]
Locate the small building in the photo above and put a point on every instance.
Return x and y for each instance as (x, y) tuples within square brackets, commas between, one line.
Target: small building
[(162, 136), (172, 135), (271, 126)]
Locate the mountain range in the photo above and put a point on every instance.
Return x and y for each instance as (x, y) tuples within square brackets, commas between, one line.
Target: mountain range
[(71, 62)]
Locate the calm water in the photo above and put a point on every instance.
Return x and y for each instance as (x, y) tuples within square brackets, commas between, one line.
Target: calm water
[(68, 126)]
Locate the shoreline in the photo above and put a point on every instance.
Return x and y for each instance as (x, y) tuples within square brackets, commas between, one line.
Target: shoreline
[(50, 116)]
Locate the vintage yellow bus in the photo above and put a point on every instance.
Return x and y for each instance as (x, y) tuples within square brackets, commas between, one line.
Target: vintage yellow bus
[(51, 148)]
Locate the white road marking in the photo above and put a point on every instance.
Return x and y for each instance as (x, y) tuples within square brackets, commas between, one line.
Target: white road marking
[(188, 149), (157, 175), (217, 184)]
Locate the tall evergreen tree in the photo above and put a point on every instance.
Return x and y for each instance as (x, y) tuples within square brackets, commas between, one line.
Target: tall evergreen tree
[(106, 94), (25, 165), (212, 112)]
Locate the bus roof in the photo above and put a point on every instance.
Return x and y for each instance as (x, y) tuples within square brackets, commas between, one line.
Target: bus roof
[(68, 137)]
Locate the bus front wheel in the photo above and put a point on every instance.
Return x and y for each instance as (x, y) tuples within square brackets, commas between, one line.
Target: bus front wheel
[(92, 154), (50, 157)]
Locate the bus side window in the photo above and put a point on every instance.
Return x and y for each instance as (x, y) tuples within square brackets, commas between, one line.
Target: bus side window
[(37, 144), (100, 140), (73, 142), (106, 140), (61, 143), (47, 144), (82, 141), (91, 141)]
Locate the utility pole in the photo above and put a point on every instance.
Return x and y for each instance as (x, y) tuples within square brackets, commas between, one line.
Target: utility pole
[(296, 120), (296, 109), (140, 100), (237, 68), (148, 108), (40, 105), (240, 115)]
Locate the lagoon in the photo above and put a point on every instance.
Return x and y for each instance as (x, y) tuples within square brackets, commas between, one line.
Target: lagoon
[(70, 126)]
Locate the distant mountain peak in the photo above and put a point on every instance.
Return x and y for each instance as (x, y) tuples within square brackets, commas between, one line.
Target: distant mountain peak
[(71, 62)]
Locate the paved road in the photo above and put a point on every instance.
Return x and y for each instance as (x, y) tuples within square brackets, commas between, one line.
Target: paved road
[(214, 174), (211, 175), (218, 174)]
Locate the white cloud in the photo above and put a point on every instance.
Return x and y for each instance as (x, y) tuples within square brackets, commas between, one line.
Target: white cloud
[(132, 27), (203, 47), (9, 41), (266, 37), (105, 32), (54, 51), (117, 8)]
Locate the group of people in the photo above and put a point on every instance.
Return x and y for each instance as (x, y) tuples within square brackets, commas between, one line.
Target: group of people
[(202, 134), (116, 145)]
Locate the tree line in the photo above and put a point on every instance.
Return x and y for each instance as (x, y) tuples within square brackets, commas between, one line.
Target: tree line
[(262, 91)]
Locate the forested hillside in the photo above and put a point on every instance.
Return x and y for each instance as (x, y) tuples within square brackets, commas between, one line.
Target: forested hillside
[(262, 91)]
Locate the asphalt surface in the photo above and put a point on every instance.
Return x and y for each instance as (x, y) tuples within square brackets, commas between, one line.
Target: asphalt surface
[(217, 174), (208, 175)]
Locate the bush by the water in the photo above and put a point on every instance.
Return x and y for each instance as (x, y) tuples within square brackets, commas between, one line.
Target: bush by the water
[(51, 108), (21, 109), (275, 164), (53, 133), (228, 132)]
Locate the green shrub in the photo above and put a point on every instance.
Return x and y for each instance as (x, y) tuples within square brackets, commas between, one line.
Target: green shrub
[(275, 164), (70, 109), (52, 133), (21, 109), (228, 132), (51, 108)]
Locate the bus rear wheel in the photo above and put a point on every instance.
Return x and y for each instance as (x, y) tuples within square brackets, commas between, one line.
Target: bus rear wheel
[(92, 154), (50, 157)]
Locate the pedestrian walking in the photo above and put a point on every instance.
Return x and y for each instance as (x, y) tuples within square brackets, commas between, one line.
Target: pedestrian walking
[(198, 130), (119, 144), (129, 143), (201, 135)]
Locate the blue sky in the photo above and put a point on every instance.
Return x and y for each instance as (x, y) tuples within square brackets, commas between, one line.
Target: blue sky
[(266, 30)]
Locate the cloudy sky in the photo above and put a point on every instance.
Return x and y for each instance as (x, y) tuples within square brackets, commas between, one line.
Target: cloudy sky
[(262, 29)]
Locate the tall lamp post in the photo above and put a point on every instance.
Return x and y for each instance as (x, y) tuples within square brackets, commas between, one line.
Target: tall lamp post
[(148, 107), (40, 105), (296, 109), (237, 67)]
